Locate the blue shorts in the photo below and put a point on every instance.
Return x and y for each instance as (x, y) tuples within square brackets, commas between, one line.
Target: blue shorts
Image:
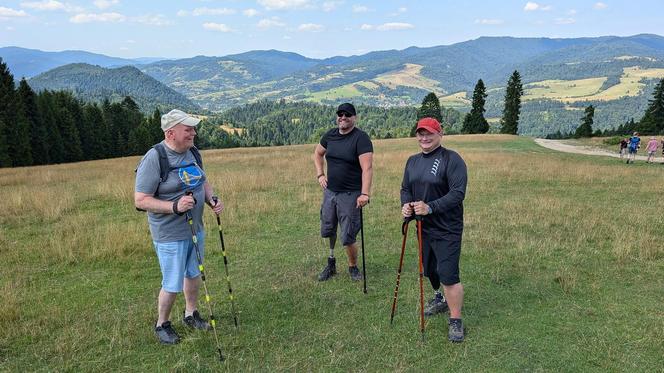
[(177, 260)]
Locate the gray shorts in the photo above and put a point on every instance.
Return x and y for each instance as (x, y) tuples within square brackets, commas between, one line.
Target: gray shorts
[(339, 208)]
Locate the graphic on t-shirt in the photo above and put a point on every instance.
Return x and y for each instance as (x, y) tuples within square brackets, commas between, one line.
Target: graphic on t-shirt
[(190, 175)]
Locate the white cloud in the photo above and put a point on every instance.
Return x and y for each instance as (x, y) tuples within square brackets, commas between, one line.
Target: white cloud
[(530, 6), (153, 20), (104, 4), (131, 41), (600, 5), (269, 23), (212, 12), (489, 21), (94, 17), (9, 12), (43, 5), (564, 21), (329, 6), (9, 28), (284, 4), (391, 26), (310, 27), (182, 13), (571, 12), (250, 12), (360, 9), (366, 27), (217, 27), (286, 37)]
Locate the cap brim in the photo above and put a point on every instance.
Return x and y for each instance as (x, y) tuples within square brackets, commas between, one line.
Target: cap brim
[(191, 121)]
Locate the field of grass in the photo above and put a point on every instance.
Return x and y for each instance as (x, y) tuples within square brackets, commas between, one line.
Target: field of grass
[(562, 264), (570, 91)]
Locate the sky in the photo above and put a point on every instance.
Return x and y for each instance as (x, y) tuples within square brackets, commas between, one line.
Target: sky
[(312, 28)]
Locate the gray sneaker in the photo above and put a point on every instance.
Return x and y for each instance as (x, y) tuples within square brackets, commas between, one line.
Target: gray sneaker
[(329, 270), (456, 332), (196, 321), (435, 306), (166, 334), (355, 274)]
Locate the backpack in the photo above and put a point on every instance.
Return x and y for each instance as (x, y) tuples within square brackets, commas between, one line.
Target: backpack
[(165, 167)]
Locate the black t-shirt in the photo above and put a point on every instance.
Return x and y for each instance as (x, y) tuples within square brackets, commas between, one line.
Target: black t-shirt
[(344, 173), (439, 179)]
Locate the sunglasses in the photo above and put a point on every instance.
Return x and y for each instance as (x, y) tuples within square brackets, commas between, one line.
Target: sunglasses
[(344, 114)]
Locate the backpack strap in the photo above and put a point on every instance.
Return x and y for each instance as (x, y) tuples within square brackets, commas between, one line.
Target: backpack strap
[(197, 156), (164, 166)]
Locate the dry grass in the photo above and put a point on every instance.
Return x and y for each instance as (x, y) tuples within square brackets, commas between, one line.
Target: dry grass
[(561, 257)]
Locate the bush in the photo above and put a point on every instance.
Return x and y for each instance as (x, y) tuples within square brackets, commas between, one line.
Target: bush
[(615, 140)]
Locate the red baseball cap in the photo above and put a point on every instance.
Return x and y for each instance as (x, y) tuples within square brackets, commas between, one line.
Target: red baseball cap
[(429, 124)]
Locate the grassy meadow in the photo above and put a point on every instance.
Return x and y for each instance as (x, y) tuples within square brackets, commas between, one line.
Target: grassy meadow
[(562, 262)]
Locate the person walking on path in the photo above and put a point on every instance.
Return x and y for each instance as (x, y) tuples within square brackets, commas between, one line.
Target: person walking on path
[(651, 148), (183, 191), (433, 188), (623, 148), (634, 144), (348, 152)]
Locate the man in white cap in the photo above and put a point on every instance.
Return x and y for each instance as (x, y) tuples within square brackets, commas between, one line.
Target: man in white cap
[(168, 194)]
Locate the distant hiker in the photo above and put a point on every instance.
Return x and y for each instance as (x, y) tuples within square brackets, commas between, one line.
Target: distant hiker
[(651, 148), (349, 155), (434, 187), (623, 147), (166, 201), (634, 144), (662, 147)]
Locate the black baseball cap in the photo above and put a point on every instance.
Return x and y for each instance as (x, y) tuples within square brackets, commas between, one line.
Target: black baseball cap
[(346, 107)]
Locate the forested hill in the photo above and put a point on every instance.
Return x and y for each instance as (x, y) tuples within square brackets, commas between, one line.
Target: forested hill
[(95, 84), (266, 123)]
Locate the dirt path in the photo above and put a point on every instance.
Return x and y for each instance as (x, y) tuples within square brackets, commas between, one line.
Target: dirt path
[(567, 148)]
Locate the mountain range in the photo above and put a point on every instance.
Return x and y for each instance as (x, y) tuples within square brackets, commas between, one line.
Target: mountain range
[(560, 76)]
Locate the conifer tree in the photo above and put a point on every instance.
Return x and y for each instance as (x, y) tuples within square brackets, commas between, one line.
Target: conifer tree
[(430, 108), (38, 134), (474, 121), (6, 113), (653, 119), (586, 127), (510, 121)]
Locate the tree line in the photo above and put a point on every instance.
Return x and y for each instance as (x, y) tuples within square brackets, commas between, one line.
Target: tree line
[(55, 127)]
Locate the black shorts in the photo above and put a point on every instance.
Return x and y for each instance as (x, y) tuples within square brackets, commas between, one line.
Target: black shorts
[(441, 258)]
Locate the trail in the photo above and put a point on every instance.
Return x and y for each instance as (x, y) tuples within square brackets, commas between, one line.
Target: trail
[(588, 150)]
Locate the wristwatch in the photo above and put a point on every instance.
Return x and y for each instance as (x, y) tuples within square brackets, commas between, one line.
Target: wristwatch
[(429, 210)]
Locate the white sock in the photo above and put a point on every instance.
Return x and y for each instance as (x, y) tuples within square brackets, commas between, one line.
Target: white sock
[(188, 313)]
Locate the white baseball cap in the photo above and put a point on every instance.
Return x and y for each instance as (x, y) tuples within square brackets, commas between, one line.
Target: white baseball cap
[(175, 117)]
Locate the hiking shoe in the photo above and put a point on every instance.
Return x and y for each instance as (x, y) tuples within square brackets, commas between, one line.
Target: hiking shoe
[(435, 306), (355, 274), (455, 332), (329, 270), (166, 334), (196, 321)]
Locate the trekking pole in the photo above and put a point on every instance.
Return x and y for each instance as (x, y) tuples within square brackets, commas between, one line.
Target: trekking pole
[(228, 278), (190, 220), (404, 232), (419, 240), (364, 270)]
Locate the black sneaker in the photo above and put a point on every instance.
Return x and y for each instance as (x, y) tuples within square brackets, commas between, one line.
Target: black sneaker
[(455, 332), (435, 306), (329, 270), (355, 274), (196, 321), (166, 334)]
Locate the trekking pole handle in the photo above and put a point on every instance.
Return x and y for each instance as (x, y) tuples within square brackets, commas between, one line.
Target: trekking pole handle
[(215, 199)]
